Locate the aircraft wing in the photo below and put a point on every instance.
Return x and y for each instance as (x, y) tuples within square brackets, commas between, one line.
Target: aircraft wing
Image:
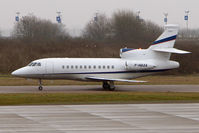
[(110, 79)]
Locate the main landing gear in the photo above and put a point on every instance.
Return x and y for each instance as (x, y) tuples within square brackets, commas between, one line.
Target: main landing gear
[(40, 85), (108, 85)]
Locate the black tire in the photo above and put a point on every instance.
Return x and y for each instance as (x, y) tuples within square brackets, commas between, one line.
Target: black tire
[(106, 86), (111, 88), (40, 88)]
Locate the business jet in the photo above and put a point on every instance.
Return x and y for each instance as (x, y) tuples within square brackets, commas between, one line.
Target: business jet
[(133, 63)]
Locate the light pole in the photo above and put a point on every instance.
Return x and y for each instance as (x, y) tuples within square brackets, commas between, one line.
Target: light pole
[(138, 15), (17, 17), (186, 18), (96, 16), (166, 18), (58, 18)]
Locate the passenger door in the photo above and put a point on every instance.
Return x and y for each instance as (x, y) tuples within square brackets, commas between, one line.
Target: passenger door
[(49, 67)]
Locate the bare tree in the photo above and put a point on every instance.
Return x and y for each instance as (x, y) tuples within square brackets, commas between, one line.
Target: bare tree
[(190, 34), (98, 30), (129, 28), (151, 31), (31, 28), (126, 26)]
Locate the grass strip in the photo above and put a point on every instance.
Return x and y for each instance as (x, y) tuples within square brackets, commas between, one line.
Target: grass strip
[(96, 98)]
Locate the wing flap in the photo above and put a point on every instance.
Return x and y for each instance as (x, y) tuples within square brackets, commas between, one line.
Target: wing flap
[(171, 50), (120, 80)]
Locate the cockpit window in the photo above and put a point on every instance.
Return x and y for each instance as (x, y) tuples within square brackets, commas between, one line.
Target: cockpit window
[(30, 64), (34, 64), (39, 64)]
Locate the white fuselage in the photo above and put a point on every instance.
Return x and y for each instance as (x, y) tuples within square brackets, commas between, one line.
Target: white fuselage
[(81, 68)]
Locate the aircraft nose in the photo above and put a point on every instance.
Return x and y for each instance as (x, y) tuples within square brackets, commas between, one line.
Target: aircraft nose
[(18, 72), (13, 73)]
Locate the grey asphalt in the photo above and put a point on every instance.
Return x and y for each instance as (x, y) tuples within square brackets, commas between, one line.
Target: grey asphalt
[(95, 88), (118, 118)]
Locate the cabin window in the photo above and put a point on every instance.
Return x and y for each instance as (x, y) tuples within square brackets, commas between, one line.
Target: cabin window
[(71, 67), (94, 67), (108, 67), (80, 67), (113, 67), (63, 67), (99, 67), (76, 67), (89, 67), (104, 67), (67, 67), (85, 67)]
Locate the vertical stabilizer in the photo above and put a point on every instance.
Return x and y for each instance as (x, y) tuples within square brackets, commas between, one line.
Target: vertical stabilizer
[(168, 37)]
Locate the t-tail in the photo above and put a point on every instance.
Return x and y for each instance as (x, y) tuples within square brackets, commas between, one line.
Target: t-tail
[(164, 45), (161, 49)]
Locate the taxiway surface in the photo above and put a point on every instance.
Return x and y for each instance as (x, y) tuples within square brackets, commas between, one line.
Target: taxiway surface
[(87, 88), (120, 118)]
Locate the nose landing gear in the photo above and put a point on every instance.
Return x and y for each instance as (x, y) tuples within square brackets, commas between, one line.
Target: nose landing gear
[(40, 88)]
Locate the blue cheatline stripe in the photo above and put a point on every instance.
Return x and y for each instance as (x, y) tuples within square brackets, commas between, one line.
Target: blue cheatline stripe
[(116, 72), (126, 49), (165, 40)]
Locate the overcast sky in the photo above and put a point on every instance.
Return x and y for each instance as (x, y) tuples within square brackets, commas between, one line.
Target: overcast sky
[(76, 13)]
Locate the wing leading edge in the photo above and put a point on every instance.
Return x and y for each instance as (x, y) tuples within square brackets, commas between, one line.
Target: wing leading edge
[(120, 80)]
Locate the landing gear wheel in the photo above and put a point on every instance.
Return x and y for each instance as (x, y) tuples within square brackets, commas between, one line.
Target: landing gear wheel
[(111, 89), (40, 88), (106, 86), (112, 86), (109, 86)]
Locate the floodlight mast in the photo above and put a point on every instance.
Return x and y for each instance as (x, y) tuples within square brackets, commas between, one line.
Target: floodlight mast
[(138, 15), (17, 17), (165, 18), (96, 16), (187, 19), (58, 18)]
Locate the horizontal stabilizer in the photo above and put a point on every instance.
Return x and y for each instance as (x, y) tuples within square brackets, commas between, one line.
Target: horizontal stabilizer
[(171, 50), (109, 79)]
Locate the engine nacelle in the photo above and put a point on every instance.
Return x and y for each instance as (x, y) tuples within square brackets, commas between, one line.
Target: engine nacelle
[(136, 66)]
